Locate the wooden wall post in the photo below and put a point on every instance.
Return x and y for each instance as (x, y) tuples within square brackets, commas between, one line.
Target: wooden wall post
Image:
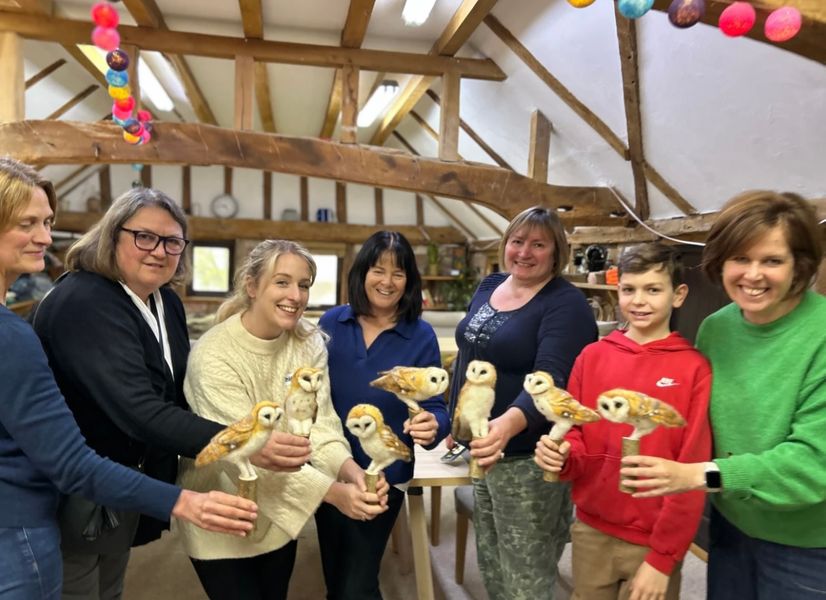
[(132, 71), (12, 78), (341, 202), (267, 195), (349, 104), (379, 198), (540, 147), (305, 199), (186, 189), (449, 118), (244, 91)]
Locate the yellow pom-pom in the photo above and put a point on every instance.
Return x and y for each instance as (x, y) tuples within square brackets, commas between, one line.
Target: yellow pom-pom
[(131, 139), (119, 93), (580, 3)]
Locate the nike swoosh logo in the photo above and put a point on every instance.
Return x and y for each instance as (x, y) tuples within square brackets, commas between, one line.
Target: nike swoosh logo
[(666, 382)]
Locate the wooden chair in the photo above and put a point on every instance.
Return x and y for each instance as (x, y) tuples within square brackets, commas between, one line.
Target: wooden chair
[(463, 500)]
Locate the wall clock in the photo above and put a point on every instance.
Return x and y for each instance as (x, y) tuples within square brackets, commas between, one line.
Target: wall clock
[(224, 206)]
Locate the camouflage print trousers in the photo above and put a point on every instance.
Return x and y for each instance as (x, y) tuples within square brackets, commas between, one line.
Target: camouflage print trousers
[(522, 524)]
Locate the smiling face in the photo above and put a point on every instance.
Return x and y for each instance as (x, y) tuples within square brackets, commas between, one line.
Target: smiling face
[(758, 278), (23, 246), (529, 255), (278, 300), (145, 271), (384, 285), (646, 300)]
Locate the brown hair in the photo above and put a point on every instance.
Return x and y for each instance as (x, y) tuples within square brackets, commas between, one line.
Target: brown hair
[(546, 220), (17, 183), (656, 256), (748, 216)]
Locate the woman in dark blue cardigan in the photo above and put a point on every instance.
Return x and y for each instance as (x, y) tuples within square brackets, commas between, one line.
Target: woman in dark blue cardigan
[(42, 452)]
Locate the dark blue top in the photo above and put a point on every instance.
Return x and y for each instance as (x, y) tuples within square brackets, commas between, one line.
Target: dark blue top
[(546, 334), (353, 367), (42, 451)]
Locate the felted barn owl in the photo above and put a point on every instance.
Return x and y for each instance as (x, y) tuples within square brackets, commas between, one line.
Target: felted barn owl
[(470, 420), (378, 441), (412, 384), (556, 404), (640, 410), (301, 405), (240, 440)]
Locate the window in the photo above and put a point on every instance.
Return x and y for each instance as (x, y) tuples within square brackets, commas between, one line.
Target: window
[(324, 292), (212, 269)]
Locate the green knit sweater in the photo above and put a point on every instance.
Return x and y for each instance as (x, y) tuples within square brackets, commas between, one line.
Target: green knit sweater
[(768, 416)]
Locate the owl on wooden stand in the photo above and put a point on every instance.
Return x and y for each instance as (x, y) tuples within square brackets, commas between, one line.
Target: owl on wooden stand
[(470, 419), (239, 441), (378, 441), (558, 406), (412, 385), (641, 411), (301, 404)]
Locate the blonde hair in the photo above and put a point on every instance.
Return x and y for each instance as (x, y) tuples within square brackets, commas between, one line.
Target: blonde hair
[(546, 220), (96, 250), (259, 264), (17, 184)]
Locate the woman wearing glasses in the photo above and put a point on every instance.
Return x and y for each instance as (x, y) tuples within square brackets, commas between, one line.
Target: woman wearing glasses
[(116, 338)]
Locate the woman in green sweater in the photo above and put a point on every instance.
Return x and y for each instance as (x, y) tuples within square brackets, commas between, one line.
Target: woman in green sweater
[(768, 405)]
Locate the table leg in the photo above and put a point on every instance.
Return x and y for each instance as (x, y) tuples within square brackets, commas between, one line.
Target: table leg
[(421, 552), (435, 513), (400, 538)]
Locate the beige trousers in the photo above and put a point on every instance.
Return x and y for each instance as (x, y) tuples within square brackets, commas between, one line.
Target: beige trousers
[(604, 566)]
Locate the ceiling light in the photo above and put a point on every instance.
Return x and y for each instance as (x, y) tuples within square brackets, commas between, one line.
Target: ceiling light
[(416, 12), (378, 102)]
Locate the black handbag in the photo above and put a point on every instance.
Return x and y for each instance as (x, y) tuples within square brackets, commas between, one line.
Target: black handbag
[(89, 528)]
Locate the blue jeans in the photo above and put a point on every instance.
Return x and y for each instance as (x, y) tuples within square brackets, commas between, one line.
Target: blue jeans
[(32, 567), (745, 568)]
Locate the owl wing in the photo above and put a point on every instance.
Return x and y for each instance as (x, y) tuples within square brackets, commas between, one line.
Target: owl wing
[(400, 380), (461, 430), (226, 440), (661, 413), (392, 442), (569, 408)]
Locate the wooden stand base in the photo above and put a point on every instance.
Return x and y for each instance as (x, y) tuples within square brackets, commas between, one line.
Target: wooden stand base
[(474, 470), (248, 488), (630, 447), (371, 480)]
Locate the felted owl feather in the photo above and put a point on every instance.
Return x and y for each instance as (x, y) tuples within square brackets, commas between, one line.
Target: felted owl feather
[(378, 441), (240, 440), (640, 410), (556, 404), (470, 419), (411, 385), (301, 404)]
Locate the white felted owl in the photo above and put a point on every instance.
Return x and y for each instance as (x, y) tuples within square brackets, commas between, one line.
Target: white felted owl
[(470, 419), (301, 405), (556, 404), (378, 441), (412, 384), (640, 410), (242, 439)]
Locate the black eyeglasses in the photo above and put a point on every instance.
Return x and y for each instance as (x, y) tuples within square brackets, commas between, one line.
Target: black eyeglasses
[(146, 240)]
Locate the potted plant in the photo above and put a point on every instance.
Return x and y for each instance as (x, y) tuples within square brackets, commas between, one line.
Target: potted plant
[(432, 259)]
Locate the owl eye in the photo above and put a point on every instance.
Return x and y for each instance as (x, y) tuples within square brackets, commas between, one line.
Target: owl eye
[(483, 372), (617, 404), (433, 380), (306, 378), (605, 406)]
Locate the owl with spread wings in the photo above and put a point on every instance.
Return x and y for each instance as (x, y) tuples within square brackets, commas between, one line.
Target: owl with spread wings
[(640, 410), (411, 385)]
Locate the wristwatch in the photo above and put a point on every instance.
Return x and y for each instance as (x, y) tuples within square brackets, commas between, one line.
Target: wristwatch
[(714, 482)]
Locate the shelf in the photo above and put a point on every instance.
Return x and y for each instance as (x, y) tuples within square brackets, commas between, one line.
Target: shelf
[(594, 286), (440, 277)]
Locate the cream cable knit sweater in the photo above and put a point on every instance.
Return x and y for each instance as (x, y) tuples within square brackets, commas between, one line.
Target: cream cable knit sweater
[(229, 371)]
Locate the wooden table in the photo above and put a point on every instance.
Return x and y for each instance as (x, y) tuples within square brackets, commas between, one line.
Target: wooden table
[(429, 472)]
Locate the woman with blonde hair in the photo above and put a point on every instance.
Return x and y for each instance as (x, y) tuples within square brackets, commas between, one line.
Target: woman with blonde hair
[(259, 340)]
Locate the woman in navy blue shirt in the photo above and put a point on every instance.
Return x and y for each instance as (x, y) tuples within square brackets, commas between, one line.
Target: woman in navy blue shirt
[(381, 328)]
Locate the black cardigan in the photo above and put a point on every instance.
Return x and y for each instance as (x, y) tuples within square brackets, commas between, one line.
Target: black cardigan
[(111, 370)]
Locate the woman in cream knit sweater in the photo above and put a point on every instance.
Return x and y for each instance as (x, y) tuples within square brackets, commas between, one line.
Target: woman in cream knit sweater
[(249, 356)]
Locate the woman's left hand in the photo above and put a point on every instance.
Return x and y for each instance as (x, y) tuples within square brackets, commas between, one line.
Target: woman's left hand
[(660, 477), (216, 511), (350, 472), (422, 428)]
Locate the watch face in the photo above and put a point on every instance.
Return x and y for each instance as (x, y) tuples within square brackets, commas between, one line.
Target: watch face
[(224, 206), (713, 480)]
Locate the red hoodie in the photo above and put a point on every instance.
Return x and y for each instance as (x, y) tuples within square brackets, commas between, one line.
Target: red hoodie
[(674, 372)]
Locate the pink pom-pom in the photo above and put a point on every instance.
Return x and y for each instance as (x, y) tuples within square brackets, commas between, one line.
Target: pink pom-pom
[(120, 113), (105, 15), (106, 38), (737, 19), (145, 137), (144, 115), (783, 24), (127, 103)]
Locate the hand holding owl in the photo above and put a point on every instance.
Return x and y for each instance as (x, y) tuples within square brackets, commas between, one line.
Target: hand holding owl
[(301, 404), (412, 385), (558, 406), (476, 398), (378, 441), (422, 428)]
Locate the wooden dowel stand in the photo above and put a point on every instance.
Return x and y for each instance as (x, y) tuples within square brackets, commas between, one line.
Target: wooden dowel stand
[(248, 489), (547, 475), (630, 447), (412, 412), (474, 470), (371, 480)]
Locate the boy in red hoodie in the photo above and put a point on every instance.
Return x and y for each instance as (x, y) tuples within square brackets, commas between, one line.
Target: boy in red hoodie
[(625, 547)]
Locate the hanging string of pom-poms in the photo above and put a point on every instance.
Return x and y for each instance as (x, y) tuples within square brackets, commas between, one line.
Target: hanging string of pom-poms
[(137, 129)]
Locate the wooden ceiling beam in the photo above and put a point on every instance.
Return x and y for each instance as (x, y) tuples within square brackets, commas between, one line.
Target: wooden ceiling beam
[(252, 20), (69, 31), (809, 43), (352, 36), (147, 14), (73, 101), (540, 146), (206, 228), (45, 72), (463, 23), (682, 226), (12, 82), (505, 192)]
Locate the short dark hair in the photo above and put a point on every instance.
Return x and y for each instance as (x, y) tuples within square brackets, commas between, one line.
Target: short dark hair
[(656, 256), (410, 305), (750, 215)]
